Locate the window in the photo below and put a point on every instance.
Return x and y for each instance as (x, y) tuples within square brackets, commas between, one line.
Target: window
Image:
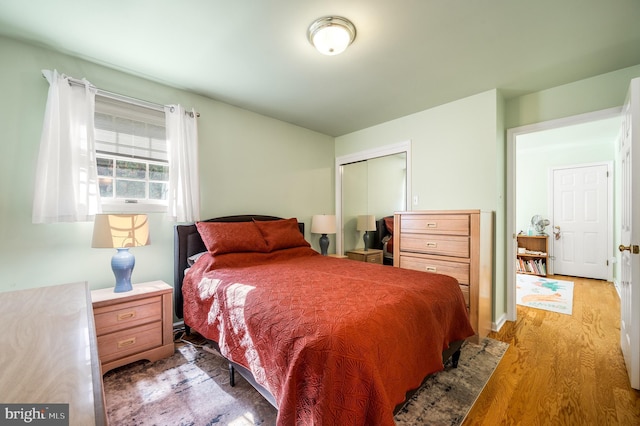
[(131, 155)]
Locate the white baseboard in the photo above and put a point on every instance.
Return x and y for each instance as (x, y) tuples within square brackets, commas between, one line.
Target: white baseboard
[(496, 326), (617, 287)]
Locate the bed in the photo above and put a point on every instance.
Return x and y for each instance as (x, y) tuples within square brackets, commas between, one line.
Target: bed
[(327, 341)]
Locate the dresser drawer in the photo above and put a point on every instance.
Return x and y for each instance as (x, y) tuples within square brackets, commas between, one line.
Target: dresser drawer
[(125, 315), (130, 341), (459, 271), (465, 294), (444, 245), (436, 224)]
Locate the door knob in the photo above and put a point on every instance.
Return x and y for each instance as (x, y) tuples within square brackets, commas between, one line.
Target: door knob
[(632, 248)]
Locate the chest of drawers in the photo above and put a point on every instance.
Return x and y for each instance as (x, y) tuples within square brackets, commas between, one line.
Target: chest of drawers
[(456, 243), (134, 325)]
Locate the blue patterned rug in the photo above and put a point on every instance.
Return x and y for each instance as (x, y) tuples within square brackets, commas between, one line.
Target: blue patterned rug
[(192, 388)]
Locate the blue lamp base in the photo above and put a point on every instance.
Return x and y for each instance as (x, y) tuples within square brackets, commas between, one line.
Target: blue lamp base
[(324, 244), (367, 238), (122, 264)]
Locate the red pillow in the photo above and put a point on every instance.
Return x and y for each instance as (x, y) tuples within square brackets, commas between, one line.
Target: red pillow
[(388, 222), (281, 234), (231, 237)]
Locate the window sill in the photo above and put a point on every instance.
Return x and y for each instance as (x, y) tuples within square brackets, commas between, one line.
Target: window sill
[(133, 208)]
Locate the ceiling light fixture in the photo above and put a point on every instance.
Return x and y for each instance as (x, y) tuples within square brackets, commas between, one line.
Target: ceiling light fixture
[(331, 35)]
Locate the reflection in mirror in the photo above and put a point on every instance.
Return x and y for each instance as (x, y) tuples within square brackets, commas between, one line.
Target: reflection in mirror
[(377, 187)]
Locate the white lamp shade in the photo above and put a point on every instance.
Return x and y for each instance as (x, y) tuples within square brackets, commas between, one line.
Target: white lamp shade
[(323, 224), (366, 222), (120, 230)]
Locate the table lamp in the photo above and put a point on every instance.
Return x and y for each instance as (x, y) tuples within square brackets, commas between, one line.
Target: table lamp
[(323, 224), (121, 231), (366, 223)]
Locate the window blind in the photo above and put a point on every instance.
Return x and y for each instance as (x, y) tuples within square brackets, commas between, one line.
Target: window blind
[(129, 131)]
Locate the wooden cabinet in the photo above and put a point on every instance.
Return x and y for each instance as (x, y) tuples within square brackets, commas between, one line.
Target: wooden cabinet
[(370, 256), (49, 353), (532, 255), (458, 243), (133, 325)]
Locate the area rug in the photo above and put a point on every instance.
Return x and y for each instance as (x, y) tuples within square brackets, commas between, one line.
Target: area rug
[(544, 293), (192, 388)]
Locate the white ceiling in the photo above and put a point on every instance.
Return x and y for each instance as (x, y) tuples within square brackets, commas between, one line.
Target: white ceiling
[(409, 55)]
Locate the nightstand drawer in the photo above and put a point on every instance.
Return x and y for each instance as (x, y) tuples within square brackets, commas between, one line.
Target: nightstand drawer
[(374, 258), (459, 271), (130, 341), (436, 224), (444, 245), (129, 314)]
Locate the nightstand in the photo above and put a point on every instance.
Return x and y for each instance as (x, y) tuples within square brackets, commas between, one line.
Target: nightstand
[(134, 325), (369, 256)]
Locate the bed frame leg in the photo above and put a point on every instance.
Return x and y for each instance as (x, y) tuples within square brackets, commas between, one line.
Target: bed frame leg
[(232, 376), (455, 358)]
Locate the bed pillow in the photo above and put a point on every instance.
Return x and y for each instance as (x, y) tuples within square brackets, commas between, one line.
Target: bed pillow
[(231, 237), (281, 234), (388, 222)]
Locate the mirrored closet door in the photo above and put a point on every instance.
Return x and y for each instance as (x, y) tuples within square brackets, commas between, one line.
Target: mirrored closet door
[(375, 183)]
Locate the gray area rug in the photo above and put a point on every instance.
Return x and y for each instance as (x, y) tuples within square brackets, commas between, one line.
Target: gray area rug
[(192, 388)]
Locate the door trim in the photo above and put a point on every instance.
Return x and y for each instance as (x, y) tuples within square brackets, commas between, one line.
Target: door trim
[(368, 154), (510, 235), (610, 230)]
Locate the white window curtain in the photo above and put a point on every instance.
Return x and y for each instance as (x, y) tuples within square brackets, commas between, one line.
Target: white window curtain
[(66, 185), (182, 142)]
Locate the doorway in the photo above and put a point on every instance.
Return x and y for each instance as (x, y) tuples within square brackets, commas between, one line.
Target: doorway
[(534, 149)]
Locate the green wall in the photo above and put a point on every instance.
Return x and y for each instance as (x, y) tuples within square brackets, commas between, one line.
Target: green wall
[(457, 161), (249, 163), (459, 149), (254, 164)]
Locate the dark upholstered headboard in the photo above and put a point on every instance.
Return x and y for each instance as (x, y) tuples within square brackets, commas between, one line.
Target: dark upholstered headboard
[(187, 242), (381, 232)]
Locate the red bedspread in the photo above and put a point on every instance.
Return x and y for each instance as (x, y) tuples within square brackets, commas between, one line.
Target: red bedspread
[(335, 341)]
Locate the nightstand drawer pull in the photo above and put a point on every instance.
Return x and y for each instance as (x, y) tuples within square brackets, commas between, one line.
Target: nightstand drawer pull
[(431, 269), (432, 245), (126, 315), (126, 342), (432, 224)]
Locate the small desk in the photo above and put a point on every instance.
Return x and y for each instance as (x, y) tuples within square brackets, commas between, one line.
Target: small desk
[(49, 353), (369, 256)]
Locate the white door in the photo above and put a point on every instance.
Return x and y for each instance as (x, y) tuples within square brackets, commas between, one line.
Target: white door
[(580, 221), (629, 153)]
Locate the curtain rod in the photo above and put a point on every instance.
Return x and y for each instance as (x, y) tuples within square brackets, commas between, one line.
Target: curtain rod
[(123, 98)]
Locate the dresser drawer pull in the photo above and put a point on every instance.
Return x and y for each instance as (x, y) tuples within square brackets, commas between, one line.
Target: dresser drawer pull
[(126, 315), (432, 245), (432, 224), (127, 342), (431, 269)]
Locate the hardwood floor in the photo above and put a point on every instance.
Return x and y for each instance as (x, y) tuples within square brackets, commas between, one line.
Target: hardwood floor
[(561, 369)]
